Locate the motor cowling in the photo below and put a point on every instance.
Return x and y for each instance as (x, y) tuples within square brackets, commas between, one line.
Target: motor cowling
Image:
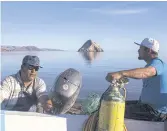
[(65, 90)]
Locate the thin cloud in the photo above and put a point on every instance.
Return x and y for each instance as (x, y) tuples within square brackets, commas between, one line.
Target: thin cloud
[(114, 11), (119, 12)]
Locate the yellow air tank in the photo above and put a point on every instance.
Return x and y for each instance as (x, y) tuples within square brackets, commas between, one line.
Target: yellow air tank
[(112, 108)]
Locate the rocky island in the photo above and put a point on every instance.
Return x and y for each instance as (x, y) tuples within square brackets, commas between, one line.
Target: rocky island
[(25, 48), (90, 46)]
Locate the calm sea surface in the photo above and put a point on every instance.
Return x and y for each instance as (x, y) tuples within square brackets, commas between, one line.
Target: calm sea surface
[(92, 66)]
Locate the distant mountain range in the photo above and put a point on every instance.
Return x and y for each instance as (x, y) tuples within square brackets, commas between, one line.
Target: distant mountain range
[(25, 48)]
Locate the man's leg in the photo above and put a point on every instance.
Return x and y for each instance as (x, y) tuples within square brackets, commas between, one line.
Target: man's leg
[(136, 110), (139, 111)]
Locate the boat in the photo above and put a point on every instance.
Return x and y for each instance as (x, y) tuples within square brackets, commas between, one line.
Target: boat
[(32, 121)]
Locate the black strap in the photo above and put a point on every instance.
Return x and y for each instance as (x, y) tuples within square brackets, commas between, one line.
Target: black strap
[(29, 99)]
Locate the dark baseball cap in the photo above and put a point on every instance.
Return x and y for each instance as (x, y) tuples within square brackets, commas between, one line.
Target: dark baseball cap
[(31, 60)]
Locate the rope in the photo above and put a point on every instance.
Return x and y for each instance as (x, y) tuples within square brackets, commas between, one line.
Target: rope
[(92, 121)]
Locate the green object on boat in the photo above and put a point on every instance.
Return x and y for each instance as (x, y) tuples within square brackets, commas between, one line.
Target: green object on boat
[(91, 103)]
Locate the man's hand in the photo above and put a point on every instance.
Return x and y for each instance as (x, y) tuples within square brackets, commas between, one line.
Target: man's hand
[(45, 103), (48, 106), (114, 76)]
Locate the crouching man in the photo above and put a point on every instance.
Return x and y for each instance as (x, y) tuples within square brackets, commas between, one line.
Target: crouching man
[(23, 90)]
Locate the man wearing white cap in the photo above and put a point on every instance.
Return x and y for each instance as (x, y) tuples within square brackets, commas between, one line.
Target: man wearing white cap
[(153, 99)]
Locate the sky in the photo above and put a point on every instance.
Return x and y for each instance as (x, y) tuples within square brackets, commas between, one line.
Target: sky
[(68, 25)]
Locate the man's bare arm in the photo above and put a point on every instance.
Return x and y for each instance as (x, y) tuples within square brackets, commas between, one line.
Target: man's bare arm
[(139, 73)]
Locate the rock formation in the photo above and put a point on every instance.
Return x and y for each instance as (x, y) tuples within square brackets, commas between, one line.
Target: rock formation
[(90, 46), (25, 48)]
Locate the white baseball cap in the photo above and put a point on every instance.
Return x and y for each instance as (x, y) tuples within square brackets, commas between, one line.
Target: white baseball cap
[(150, 43)]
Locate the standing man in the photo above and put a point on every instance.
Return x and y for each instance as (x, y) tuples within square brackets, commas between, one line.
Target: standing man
[(153, 100), (24, 89)]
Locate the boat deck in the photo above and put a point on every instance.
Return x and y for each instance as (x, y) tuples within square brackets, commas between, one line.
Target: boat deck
[(19, 121)]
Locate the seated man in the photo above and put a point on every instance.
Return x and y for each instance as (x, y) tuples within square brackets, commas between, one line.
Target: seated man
[(24, 89), (153, 100)]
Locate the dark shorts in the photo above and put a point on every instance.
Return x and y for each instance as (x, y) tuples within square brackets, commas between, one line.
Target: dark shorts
[(139, 111)]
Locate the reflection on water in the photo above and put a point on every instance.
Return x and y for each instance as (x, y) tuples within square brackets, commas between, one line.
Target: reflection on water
[(89, 57), (92, 65), (55, 62)]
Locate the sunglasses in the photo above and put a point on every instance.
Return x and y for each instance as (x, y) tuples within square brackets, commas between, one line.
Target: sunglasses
[(30, 67)]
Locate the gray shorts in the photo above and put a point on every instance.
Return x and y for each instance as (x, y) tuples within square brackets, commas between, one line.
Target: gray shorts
[(140, 111)]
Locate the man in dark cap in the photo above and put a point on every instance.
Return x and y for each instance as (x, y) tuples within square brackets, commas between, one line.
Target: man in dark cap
[(24, 90)]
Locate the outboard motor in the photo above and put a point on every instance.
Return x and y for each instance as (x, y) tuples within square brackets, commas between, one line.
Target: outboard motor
[(65, 90)]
